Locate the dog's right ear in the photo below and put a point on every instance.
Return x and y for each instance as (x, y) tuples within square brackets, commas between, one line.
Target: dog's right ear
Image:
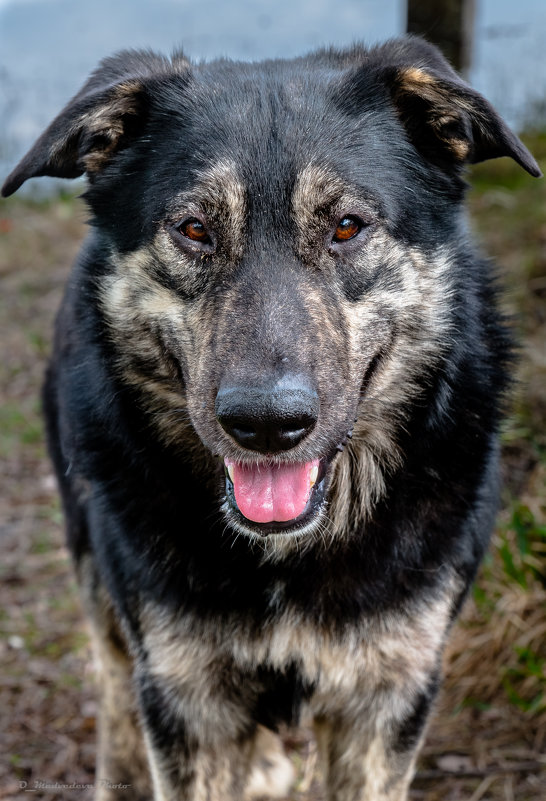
[(102, 119)]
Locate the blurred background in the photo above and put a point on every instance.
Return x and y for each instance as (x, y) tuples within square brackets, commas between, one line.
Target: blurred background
[(488, 737)]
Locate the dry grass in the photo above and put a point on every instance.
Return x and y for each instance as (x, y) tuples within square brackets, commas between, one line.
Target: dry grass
[(488, 737)]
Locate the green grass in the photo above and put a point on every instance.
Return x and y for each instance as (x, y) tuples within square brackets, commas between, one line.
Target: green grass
[(20, 424)]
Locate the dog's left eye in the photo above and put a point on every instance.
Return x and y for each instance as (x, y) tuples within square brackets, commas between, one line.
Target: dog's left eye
[(347, 228), (195, 230)]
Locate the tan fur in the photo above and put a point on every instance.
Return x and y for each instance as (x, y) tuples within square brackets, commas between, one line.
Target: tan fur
[(219, 193), (272, 772), (359, 768), (121, 755), (138, 308), (218, 773), (424, 301), (318, 188), (364, 680), (420, 82), (126, 755), (446, 106), (460, 148), (161, 789), (397, 652), (106, 120), (374, 447)]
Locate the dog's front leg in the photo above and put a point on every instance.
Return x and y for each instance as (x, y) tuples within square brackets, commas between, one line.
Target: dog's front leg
[(122, 765), (371, 756), (198, 772), (258, 764), (191, 759), (360, 766)]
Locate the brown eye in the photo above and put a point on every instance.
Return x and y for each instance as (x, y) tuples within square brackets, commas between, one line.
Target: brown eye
[(195, 230), (347, 228)]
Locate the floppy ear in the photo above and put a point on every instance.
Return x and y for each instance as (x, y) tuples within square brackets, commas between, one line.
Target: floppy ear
[(103, 118), (446, 120)]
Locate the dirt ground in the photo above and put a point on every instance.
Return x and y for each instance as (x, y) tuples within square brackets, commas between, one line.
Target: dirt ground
[(488, 737)]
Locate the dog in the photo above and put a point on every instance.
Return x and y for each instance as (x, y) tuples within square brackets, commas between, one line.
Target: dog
[(273, 405)]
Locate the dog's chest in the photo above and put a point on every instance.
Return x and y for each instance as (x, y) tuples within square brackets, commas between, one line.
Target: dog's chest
[(290, 656)]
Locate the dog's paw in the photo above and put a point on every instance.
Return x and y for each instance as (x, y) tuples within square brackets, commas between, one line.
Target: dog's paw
[(272, 772)]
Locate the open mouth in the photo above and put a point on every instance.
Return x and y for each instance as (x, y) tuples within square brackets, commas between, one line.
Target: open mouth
[(274, 497)]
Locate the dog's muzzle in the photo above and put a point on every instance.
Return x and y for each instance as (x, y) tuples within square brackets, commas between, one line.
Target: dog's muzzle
[(269, 419)]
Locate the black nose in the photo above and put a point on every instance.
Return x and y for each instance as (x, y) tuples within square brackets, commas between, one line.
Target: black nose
[(268, 418)]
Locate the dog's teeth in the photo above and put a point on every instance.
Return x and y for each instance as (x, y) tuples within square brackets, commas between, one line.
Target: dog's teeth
[(313, 475), (229, 468)]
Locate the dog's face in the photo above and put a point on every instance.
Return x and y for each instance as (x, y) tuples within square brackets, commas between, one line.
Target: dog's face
[(280, 243)]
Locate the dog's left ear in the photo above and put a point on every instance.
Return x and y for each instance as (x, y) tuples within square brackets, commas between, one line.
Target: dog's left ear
[(446, 120), (103, 118)]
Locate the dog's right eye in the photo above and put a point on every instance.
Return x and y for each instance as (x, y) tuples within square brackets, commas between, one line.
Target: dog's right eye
[(195, 230), (347, 228)]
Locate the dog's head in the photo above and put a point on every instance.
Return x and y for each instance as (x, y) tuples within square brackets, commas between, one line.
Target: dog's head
[(281, 247)]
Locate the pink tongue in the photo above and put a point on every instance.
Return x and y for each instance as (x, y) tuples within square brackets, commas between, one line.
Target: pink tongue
[(271, 492)]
